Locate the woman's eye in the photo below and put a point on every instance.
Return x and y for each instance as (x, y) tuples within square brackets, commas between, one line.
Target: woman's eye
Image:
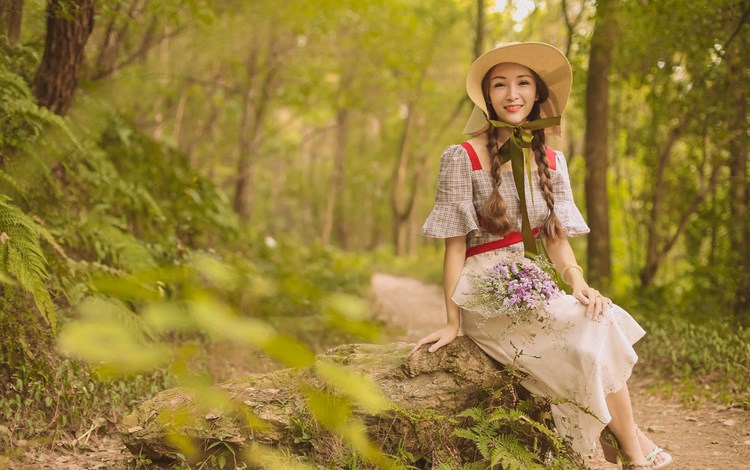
[(525, 82), (498, 85)]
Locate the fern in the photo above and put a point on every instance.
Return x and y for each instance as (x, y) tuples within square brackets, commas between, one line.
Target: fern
[(509, 439), (109, 246), (22, 257), (22, 119)]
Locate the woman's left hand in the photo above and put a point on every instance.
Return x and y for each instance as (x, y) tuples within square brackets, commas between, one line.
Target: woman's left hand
[(596, 303)]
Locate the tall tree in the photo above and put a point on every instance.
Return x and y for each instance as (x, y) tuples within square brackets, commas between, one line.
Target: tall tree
[(479, 32), (262, 67), (69, 24), (11, 14), (738, 182), (596, 142)]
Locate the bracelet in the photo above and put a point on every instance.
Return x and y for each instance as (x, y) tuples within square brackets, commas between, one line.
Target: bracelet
[(568, 268)]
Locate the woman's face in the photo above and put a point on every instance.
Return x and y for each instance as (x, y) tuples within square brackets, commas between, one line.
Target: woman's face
[(512, 92)]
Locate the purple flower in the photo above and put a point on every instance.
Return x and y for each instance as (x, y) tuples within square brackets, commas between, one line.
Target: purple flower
[(513, 287)]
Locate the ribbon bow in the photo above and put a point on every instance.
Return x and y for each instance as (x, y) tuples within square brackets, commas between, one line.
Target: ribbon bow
[(513, 150)]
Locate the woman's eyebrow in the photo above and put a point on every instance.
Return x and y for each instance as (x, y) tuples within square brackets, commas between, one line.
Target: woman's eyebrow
[(502, 77)]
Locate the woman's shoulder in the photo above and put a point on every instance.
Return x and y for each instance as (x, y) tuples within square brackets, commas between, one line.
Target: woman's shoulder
[(558, 156), (455, 152)]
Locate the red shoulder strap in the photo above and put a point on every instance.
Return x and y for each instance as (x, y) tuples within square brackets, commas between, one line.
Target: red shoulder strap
[(475, 164), (551, 158)]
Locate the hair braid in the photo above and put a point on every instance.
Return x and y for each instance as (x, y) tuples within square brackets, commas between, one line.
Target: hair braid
[(551, 229), (494, 209)]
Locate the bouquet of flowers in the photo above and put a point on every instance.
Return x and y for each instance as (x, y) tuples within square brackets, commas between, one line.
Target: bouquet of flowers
[(512, 288)]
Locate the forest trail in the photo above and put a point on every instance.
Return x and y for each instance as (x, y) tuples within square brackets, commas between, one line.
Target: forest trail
[(712, 437)]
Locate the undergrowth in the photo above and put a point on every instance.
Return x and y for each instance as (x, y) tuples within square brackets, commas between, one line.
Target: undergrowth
[(511, 439), (87, 198), (697, 362)]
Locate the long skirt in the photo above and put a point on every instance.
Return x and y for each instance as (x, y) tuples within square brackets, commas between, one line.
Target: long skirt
[(568, 357)]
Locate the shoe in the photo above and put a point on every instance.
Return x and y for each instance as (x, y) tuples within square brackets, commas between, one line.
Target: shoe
[(651, 456), (611, 451), (610, 446)]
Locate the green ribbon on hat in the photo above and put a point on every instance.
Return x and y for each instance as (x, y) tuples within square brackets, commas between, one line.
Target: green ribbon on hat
[(513, 150)]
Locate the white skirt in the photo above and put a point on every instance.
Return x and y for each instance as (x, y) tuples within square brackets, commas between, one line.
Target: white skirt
[(568, 357)]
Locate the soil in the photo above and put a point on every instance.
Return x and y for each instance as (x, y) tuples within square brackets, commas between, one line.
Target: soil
[(709, 437)]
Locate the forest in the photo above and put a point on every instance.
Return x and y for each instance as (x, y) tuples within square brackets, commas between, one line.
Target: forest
[(183, 179)]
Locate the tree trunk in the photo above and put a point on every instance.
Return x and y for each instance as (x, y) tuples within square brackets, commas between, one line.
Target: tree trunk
[(738, 191), (12, 16), (479, 32), (336, 181), (56, 79), (402, 209), (263, 69), (596, 143), (243, 190), (655, 229)]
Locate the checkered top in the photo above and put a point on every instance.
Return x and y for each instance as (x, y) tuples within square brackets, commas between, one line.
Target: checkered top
[(461, 193)]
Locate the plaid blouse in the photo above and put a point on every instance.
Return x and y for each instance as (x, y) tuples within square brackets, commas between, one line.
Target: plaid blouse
[(462, 192)]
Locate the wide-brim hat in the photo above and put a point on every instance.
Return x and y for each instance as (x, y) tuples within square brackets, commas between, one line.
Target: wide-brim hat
[(546, 60)]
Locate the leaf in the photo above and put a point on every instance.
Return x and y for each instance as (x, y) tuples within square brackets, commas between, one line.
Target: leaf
[(361, 390)]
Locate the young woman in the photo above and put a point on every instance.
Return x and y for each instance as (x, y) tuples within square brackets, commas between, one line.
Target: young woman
[(497, 194)]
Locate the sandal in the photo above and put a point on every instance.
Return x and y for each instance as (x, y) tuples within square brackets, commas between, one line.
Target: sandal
[(651, 456), (610, 446), (611, 451)]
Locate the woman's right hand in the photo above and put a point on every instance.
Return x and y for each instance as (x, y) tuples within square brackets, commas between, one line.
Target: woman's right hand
[(440, 338)]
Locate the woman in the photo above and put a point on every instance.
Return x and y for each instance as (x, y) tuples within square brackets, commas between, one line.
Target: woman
[(581, 355)]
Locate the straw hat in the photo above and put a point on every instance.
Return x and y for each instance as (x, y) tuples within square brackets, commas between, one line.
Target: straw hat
[(546, 60)]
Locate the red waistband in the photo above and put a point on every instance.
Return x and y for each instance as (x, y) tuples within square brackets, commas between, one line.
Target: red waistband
[(510, 238)]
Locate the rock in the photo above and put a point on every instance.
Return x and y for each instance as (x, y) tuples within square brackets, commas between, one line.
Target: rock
[(427, 390)]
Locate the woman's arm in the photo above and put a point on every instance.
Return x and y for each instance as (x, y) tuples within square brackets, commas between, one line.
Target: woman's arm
[(562, 256), (453, 263)]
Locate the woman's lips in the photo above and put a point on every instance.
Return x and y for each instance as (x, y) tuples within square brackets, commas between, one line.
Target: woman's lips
[(513, 108)]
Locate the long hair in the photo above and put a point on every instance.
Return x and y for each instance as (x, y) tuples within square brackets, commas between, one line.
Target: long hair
[(494, 211)]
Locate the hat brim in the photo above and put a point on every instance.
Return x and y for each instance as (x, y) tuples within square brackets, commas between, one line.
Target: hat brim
[(546, 60)]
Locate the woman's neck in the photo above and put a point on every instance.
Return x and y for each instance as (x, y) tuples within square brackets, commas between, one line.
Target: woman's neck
[(503, 134)]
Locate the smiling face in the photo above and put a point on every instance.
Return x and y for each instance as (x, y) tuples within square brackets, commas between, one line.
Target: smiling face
[(512, 91)]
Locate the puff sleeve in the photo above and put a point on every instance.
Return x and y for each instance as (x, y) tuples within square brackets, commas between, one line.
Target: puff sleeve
[(453, 213), (565, 207)]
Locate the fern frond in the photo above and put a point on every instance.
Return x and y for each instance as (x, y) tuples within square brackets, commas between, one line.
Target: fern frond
[(109, 309), (22, 117), (511, 454), (114, 246), (22, 256)]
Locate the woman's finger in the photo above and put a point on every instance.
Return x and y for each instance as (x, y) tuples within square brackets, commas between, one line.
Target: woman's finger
[(431, 338), (438, 344)]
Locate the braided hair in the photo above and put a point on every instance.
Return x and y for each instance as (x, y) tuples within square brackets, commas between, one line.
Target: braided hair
[(494, 211)]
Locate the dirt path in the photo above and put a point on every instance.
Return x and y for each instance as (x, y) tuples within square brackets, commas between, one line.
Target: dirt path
[(712, 437)]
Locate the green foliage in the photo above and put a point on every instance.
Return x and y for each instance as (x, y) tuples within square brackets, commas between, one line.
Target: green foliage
[(147, 253), (22, 257), (699, 361), (426, 264), (510, 439), (44, 396), (23, 120)]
